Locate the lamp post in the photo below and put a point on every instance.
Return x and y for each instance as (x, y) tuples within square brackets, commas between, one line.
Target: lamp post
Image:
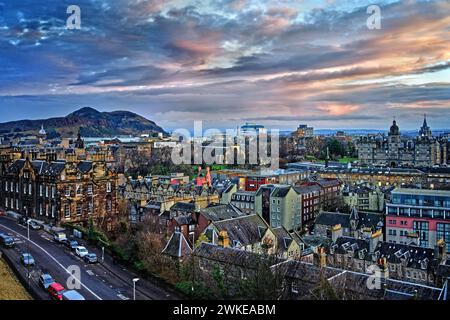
[(103, 254), (134, 287)]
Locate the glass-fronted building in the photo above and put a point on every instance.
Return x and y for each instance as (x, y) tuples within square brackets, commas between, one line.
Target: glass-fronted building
[(420, 216)]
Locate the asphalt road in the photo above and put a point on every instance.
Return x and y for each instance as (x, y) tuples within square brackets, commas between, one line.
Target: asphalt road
[(96, 282)]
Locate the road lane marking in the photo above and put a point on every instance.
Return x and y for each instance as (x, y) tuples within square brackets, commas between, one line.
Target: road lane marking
[(54, 259), (121, 296)]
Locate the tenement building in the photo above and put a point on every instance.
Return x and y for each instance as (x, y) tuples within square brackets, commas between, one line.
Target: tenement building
[(396, 150), (61, 191)]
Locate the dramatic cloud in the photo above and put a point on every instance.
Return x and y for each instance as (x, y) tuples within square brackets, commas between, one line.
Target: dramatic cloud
[(277, 62)]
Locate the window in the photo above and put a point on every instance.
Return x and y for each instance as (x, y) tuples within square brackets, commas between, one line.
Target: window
[(443, 232), (79, 209), (67, 210), (108, 187), (67, 191), (108, 205), (78, 188), (89, 189), (421, 227)]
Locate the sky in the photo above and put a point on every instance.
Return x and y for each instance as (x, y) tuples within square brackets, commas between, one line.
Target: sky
[(225, 62)]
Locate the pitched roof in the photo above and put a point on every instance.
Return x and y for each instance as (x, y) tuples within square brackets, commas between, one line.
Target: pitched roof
[(183, 206), (218, 212), (246, 230), (232, 256), (354, 286), (177, 246), (365, 219)]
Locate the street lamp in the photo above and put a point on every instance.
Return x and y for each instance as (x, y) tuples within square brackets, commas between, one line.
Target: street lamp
[(134, 287)]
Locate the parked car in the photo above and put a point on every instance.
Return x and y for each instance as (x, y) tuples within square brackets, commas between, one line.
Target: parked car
[(22, 220), (27, 259), (71, 244), (34, 225), (72, 295), (45, 280), (6, 241), (56, 290), (81, 251), (91, 258), (60, 237)]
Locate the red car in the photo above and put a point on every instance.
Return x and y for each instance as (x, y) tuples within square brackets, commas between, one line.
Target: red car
[(56, 290)]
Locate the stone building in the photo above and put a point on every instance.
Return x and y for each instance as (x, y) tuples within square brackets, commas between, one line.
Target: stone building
[(61, 191), (401, 262), (401, 151)]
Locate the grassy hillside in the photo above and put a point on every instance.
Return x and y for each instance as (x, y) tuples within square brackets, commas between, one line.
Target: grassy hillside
[(10, 287)]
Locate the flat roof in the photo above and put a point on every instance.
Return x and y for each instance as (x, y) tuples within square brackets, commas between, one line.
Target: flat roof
[(428, 192)]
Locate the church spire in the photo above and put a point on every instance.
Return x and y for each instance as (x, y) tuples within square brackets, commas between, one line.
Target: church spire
[(425, 130)]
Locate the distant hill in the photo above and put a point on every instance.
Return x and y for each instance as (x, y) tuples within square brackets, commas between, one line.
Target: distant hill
[(89, 121)]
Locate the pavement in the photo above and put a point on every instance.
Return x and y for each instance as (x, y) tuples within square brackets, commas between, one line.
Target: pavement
[(101, 281)]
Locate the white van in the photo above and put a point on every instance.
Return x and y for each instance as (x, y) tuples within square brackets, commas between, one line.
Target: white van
[(60, 237)]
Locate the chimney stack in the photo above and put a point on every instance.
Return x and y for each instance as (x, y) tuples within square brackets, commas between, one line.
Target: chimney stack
[(320, 258), (384, 269), (224, 240)]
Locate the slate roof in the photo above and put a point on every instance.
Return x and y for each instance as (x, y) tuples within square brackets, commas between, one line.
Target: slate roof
[(365, 219), (307, 189), (39, 166), (316, 241), (284, 238), (177, 246), (183, 206), (333, 218), (280, 191), (354, 286), (184, 220), (218, 212), (238, 257), (344, 245), (85, 166), (306, 272), (413, 256), (245, 230)]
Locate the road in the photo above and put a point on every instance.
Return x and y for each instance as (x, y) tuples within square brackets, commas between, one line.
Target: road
[(96, 281)]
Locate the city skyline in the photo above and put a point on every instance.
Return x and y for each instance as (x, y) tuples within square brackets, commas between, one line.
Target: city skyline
[(278, 63)]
